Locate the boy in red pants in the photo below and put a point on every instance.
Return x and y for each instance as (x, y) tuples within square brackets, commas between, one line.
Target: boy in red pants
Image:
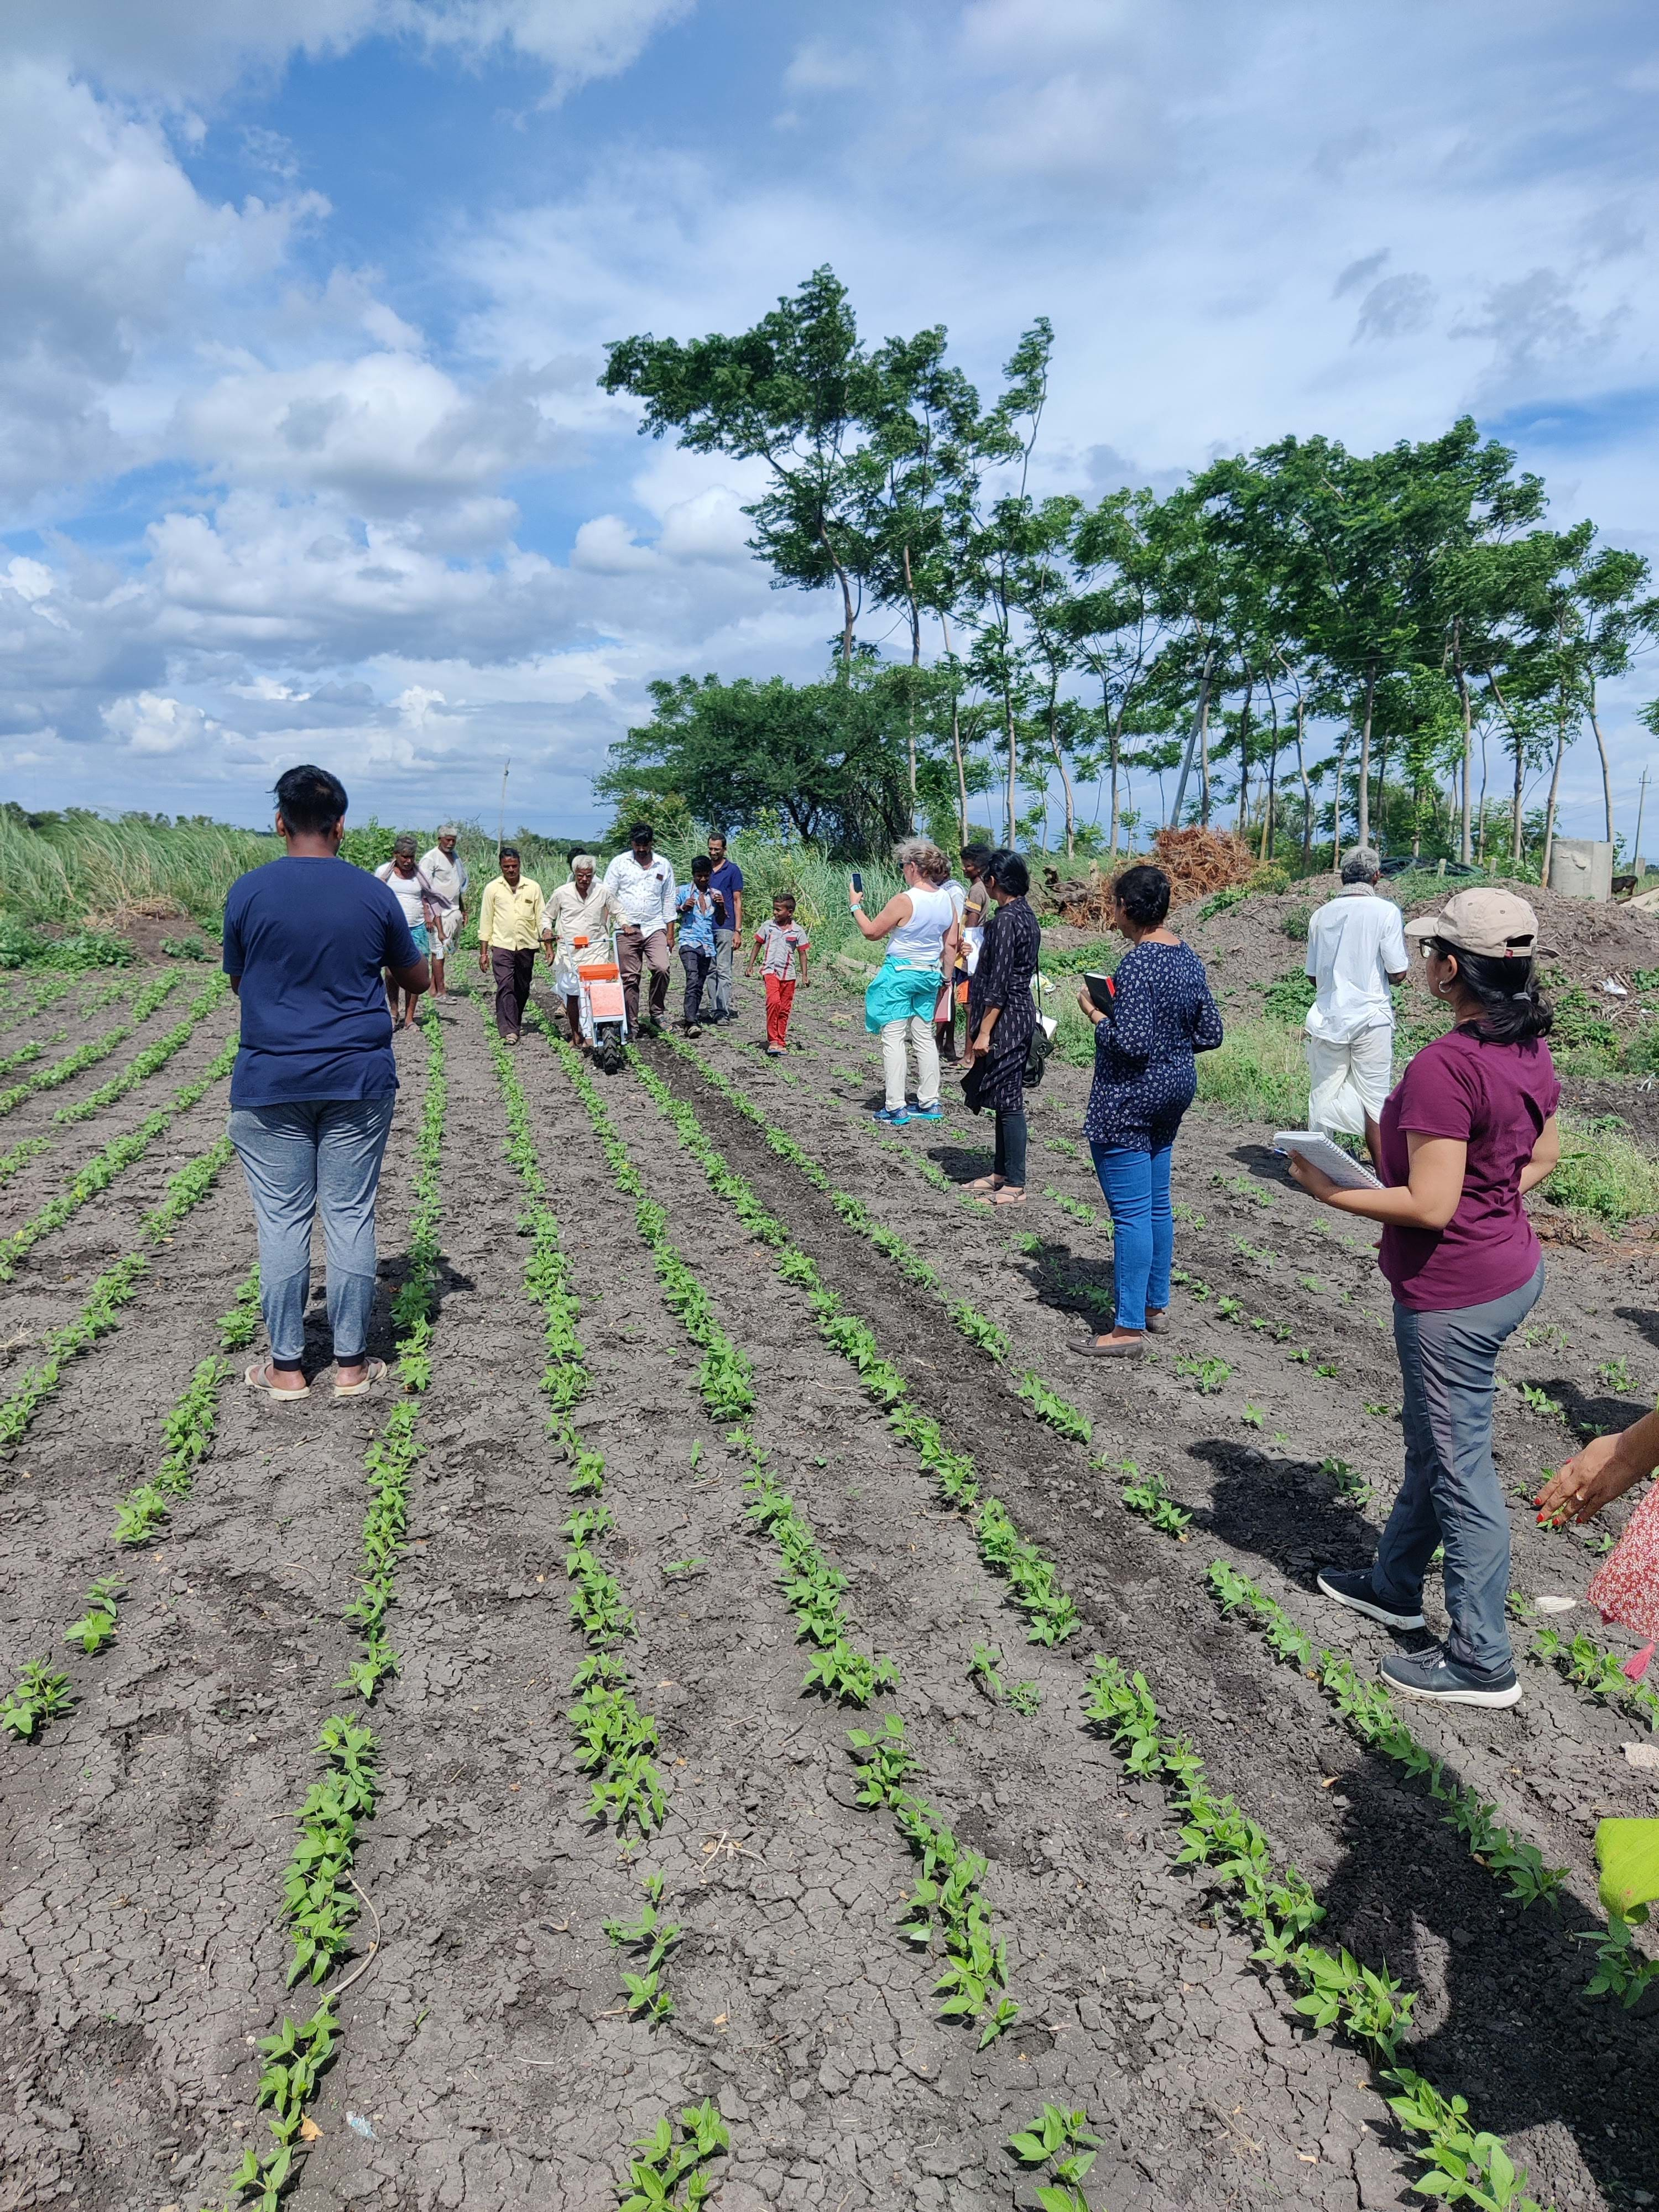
[(778, 945)]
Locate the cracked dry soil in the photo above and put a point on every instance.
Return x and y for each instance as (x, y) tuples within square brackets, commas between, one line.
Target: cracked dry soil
[(486, 2049)]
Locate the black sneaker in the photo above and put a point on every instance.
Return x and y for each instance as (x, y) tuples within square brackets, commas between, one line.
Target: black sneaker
[(1433, 1675), (1351, 1586)]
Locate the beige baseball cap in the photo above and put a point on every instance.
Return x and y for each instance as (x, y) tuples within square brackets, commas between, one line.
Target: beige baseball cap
[(1493, 923)]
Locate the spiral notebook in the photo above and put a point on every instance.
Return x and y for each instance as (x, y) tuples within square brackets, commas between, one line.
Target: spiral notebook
[(1342, 1169)]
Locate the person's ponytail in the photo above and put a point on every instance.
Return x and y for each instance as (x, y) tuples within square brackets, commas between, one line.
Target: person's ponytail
[(1513, 1008)]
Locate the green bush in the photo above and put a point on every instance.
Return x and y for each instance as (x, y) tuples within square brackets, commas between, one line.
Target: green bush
[(1288, 998), (83, 949), (1603, 1172), (1258, 1072), (1295, 924)]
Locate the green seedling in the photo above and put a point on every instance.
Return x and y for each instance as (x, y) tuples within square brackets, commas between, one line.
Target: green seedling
[(1074, 1207), (1208, 1374), (1049, 1406), (1063, 2142), (40, 1696), (1616, 1376), (1252, 1416), (1378, 1409), (1231, 1310), (1199, 1289), (1348, 1483), (1150, 1497), (1539, 1401), (885, 1761), (97, 1625), (1184, 1213), (1023, 1241), (1326, 1367), (682, 1568), (672, 2168), (1263, 1255), (982, 1671)]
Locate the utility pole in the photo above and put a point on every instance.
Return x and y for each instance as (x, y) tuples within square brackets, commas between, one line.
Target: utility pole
[(1641, 803)]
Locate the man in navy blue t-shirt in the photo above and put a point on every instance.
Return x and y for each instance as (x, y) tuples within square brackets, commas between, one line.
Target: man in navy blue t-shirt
[(726, 877), (307, 941)]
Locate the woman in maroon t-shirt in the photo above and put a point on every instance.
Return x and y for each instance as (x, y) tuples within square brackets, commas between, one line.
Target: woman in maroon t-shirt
[(1469, 1128)]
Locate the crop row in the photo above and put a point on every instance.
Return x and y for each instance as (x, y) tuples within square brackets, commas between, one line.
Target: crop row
[(1345, 1990), (616, 1744), (1335, 1990), (43, 1693), (392, 1455), (321, 1897), (96, 1049), (151, 1059), (1371, 1716), (99, 1172), (110, 1292), (947, 1900)]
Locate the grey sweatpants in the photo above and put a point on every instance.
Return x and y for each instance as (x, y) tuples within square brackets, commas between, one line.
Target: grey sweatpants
[(1451, 1494)]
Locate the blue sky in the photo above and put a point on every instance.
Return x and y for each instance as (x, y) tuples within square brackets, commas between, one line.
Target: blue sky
[(302, 452)]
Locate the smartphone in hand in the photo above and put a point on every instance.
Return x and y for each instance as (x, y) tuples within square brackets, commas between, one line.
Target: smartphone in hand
[(857, 880)]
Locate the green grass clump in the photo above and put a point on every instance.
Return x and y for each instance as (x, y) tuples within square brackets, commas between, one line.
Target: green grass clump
[(1604, 1173), (1258, 1072)]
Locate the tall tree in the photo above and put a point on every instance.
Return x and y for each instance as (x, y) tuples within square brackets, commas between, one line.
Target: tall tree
[(797, 391)]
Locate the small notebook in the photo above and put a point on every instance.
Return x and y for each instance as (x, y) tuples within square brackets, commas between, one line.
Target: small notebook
[(1320, 1153)]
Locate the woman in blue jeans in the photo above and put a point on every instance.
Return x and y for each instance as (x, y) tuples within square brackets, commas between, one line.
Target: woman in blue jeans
[(306, 939), (1161, 1014)]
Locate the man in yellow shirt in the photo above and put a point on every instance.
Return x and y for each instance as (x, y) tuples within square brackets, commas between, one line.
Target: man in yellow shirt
[(509, 930)]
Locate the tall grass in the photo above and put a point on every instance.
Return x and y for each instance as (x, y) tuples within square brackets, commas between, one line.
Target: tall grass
[(1258, 1072), (78, 868), (1603, 1173)]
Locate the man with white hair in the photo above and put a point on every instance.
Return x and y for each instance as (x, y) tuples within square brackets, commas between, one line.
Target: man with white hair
[(445, 870), (1356, 951), (574, 927)]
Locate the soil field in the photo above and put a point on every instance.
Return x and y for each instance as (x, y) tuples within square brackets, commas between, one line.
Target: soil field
[(679, 1336)]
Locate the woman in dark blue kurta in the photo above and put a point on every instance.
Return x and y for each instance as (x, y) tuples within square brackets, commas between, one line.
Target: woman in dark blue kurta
[(1001, 1017), (1161, 1014)]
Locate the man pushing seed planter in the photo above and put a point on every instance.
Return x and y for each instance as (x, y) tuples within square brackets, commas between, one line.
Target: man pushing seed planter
[(307, 939)]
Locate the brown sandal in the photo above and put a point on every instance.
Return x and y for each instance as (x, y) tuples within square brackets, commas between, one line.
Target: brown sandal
[(986, 1182)]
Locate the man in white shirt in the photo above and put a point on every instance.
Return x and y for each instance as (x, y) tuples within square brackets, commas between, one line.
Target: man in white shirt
[(445, 870), (640, 885), (1356, 950), (574, 929)]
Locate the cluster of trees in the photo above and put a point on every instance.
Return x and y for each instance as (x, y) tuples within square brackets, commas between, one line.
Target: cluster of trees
[(1279, 637)]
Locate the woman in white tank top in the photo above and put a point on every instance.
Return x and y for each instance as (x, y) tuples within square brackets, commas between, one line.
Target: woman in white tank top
[(921, 921)]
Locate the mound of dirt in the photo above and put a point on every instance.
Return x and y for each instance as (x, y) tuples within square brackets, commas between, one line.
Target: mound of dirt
[(1198, 862), (1264, 934)]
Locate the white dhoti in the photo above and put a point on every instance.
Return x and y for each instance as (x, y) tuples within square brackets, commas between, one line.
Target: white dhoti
[(1349, 1080)]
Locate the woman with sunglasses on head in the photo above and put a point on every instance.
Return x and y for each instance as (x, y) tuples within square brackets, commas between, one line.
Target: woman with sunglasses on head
[(1469, 1128)]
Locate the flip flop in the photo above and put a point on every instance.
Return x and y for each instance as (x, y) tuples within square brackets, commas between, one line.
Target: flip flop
[(254, 1377), (375, 1373)]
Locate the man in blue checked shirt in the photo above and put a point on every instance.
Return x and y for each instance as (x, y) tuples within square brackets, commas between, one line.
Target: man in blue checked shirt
[(701, 911)]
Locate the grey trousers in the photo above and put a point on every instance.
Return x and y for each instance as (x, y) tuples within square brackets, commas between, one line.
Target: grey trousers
[(725, 942), (1451, 1494), (316, 1155)]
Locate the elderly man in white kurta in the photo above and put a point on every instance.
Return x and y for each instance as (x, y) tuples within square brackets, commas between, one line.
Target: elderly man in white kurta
[(1356, 951), (573, 925)]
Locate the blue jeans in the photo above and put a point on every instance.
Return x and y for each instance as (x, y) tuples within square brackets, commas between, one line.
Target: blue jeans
[(299, 1158), (1136, 1189), (1451, 1494)]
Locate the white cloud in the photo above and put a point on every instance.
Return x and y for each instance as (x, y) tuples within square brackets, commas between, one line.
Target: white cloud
[(151, 723)]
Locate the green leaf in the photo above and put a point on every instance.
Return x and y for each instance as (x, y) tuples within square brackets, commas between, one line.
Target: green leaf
[(1627, 1852)]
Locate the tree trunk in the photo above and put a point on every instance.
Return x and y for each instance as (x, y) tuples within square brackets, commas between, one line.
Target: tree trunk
[(1013, 759), (1549, 810), (1336, 805), (1602, 752), (1365, 823), (1244, 756), (955, 740), (1463, 849), (1267, 852), (1115, 742), (916, 662), (1199, 729), (845, 606), (1306, 792), (1515, 822), (1055, 748)]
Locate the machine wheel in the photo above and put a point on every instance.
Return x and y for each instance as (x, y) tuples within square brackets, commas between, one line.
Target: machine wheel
[(608, 1053)]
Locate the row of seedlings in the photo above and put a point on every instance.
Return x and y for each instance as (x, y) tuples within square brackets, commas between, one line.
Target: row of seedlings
[(1620, 1969), (1343, 1991), (615, 1743), (322, 1898), (44, 1693), (1518, 1862), (946, 1903), (111, 1293), (100, 1172), (152, 995), (155, 1057), (1335, 1990)]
